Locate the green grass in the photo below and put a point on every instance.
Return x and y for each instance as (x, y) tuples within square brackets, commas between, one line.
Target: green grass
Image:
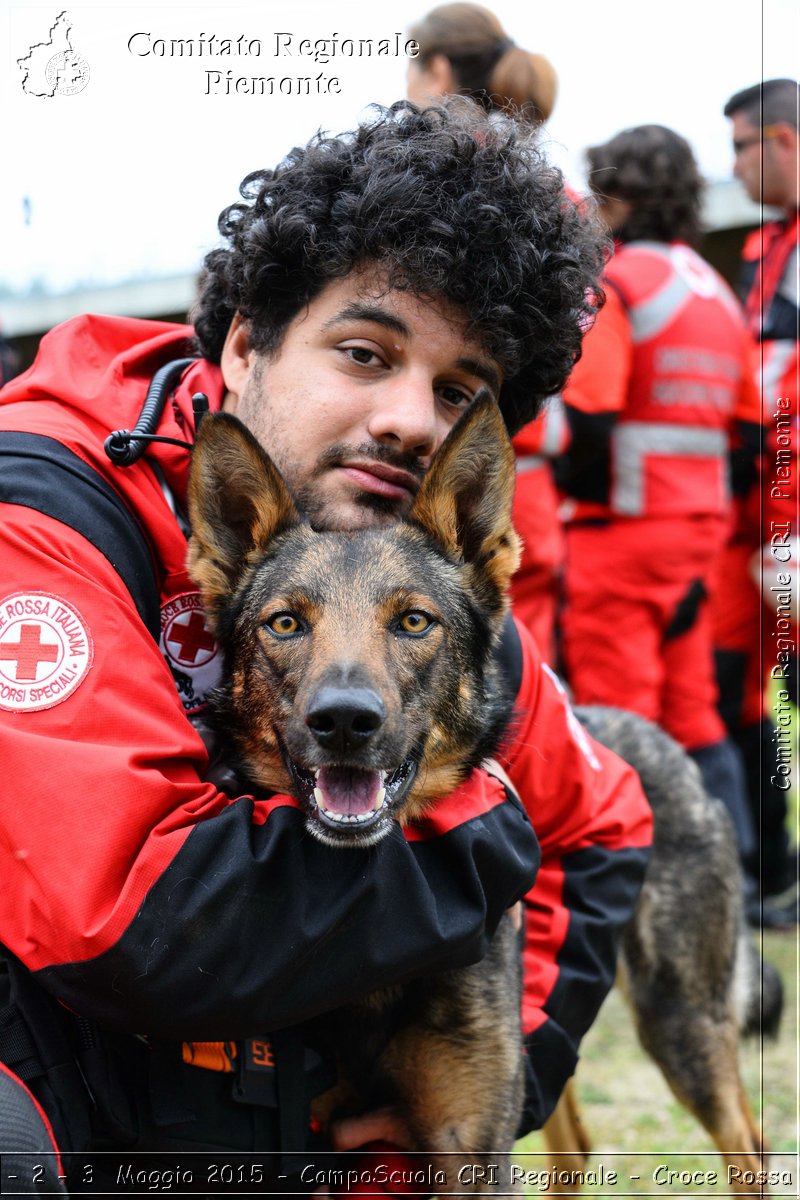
[(634, 1123)]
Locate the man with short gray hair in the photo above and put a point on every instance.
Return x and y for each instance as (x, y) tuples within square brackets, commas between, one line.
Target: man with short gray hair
[(764, 124)]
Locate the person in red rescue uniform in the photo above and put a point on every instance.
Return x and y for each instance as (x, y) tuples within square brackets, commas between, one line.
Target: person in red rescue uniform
[(749, 631), (537, 582), (662, 394), (168, 930), (464, 50)]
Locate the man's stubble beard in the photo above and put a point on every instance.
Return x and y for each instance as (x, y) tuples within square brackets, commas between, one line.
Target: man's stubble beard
[(362, 510), (355, 510)]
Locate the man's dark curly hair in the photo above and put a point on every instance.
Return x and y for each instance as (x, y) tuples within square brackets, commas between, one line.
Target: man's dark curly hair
[(654, 169), (450, 204)]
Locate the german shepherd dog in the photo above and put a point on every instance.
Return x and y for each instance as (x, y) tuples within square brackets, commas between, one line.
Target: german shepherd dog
[(360, 678), (688, 967)]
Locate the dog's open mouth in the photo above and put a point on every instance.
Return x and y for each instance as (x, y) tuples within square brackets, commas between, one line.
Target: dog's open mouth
[(350, 799)]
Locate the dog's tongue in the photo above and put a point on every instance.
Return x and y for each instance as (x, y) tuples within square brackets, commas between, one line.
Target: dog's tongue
[(349, 792)]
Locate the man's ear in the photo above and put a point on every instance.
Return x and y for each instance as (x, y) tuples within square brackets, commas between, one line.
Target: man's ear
[(236, 361), (465, 500), (786, 139), (238, 502), (440, 76)]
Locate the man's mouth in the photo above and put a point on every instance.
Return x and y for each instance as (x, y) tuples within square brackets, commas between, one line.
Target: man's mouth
[(351, 799), (381, 480)]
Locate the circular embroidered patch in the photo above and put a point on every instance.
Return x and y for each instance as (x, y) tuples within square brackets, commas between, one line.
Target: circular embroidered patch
[(46, 651), (190, 649)]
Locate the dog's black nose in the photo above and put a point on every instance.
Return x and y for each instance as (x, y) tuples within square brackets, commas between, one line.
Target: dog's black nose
[(345, 718)]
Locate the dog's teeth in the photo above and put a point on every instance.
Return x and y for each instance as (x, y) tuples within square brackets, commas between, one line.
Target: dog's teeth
[(318, 796), (379, 799), (342, 818)]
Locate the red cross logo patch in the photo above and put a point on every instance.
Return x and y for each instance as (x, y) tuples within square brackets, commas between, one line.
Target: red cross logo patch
[(190, 649), (46, 651)]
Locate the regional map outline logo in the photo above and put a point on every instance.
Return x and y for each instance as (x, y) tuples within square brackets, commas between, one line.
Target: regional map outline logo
[(54, 67)]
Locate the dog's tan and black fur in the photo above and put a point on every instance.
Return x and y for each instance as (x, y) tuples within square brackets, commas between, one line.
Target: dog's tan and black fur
[(689, 968), (360, 677)]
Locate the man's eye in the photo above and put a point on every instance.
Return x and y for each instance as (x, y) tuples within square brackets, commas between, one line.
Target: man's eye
[(455, 396), (361, 355), (414, 623), (284, 625)]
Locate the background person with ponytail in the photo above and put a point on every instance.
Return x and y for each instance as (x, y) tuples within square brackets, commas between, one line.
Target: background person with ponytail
[(464, 49)]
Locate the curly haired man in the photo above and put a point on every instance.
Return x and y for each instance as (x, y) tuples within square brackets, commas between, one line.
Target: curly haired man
[(366, 289)]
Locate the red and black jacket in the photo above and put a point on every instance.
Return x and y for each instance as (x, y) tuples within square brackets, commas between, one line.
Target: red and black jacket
[(143, 897)]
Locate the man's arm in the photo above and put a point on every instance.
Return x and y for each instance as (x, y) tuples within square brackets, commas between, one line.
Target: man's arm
[(143, 897), (595, 828)]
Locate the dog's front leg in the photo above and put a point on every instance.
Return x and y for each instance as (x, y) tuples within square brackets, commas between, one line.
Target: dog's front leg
[(459, 1070)]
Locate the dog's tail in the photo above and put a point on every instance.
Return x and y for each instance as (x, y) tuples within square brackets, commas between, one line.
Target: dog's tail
[(758, 990)]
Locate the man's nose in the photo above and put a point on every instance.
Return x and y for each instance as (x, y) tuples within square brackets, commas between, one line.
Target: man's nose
[(406, 417)]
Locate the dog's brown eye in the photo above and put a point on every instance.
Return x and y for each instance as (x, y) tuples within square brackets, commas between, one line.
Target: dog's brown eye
[(415, 622), (283, 624)]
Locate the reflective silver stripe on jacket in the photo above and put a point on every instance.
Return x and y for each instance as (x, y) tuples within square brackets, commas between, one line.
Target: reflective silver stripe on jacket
[(690, 276), (633, 442), (555, 435), (530, 462), (651, 316), (556, 431)]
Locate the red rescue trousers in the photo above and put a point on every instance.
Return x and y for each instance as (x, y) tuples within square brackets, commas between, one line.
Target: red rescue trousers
[(636, 627)]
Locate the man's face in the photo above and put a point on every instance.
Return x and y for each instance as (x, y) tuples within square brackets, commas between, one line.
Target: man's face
[(754, 163), (363, 390)]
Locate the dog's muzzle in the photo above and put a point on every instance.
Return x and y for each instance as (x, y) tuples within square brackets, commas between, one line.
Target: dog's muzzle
[(349, 798), (351, 804)]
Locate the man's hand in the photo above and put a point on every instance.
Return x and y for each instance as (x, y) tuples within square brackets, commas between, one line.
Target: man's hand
[(382, 1125), (514, 915)]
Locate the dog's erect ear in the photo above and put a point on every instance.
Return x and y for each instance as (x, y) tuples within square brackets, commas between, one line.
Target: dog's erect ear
[(465, 499), (238, 502)]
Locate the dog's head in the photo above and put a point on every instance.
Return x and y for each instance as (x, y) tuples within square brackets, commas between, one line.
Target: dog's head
[(359, 670)]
